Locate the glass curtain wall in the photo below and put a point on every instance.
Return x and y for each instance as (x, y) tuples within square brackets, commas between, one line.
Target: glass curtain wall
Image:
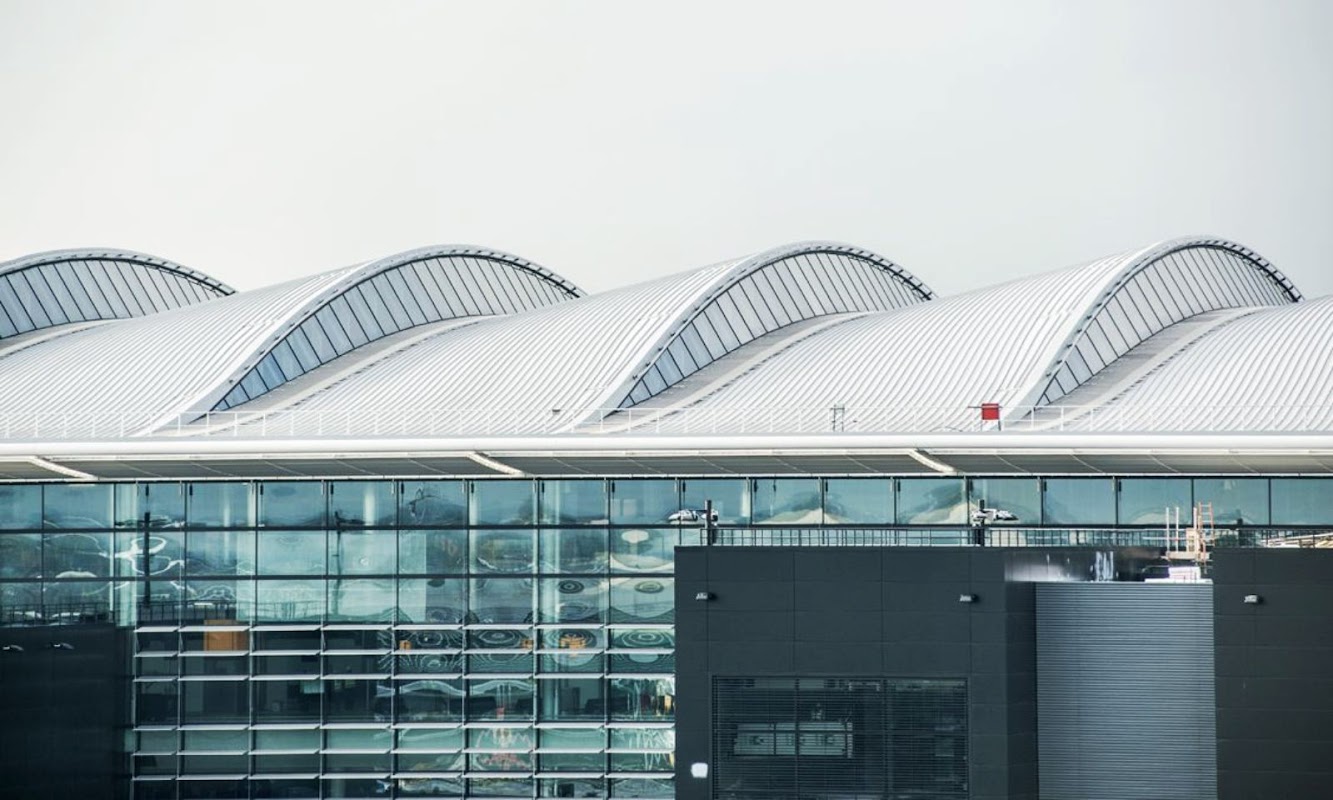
[(447, 638)]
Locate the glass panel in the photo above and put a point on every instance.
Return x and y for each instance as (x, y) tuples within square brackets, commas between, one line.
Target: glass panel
[(850, 501), (1078, 501), (1235, 501), (155, 703), (432, 552), (220, 553), (357, 700), (295, 504), (434, 700), (1147, 501), (643, 550), (1302, 501), (643, 698), (786, 501), (72, 505), (577, 550), (647, 600), (643, 501), (289, 601), (214, 701), (76, 555), (287, 701), (156, 553), (361, 503), (1015, 500), (932, 501), (502, 551), (362, 552), (731, 500), (291, 552), (503, 503), (20, 555), (581, 600), (573, 502), (500, 698), (162, 503), (500, 601), (573, 699), (361, 600), (432, 503)]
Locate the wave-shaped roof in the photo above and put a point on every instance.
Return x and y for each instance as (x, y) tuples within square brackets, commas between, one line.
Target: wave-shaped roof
[(813, 338), (64, 287)]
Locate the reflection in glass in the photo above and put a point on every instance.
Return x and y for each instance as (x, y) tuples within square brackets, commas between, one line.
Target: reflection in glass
[(503, 503), (432, 503), (1078, 501), (643, 549), (1302, 501), (572, 699), (1020, 497), (931, 501), (429, 700), (220, 505), (290, 601), (361, 552), (730, 496), (500, 601), (642, 600), (20, 555), (76, 555), (291, 504), (643, 501), (573, 550), (1235, 501), (571, 599), (432, 552), (287, 700), (500, 698), (643, 698), (160, 505), (76, 505), (786, 501), (291, 552), (502, 551), (20, 508), (220, 552), (579, 502), (1148, 501), (858, 501), (355, 504), (439, 600), (361, 599)]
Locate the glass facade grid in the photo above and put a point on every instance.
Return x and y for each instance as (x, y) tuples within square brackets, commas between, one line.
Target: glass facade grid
[(427, 608)]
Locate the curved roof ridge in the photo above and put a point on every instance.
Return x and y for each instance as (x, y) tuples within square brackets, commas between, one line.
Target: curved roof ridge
[(1137, 300), (322, 328), (62, 287), (745, 300)]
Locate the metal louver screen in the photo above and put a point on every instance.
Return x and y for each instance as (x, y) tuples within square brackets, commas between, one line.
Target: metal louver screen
[(1125, 691), (839, 739)]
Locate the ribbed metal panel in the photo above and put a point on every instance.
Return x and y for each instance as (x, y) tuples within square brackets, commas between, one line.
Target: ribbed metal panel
[(1268, 370), (1125, 696)]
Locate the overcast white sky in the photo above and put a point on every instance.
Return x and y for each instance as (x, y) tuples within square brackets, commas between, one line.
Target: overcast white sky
[(611, 142)]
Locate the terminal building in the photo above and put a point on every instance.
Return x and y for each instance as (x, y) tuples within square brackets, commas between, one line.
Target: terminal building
[(786, 527)]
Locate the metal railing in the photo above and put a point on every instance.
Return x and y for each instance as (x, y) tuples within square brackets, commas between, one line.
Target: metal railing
[(734, 420)]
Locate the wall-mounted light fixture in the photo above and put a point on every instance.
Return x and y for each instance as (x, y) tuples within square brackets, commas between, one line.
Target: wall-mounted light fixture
[(61, 646), (698, 770), (968, 598), (12, 648), (704, 596), (1253, 599)]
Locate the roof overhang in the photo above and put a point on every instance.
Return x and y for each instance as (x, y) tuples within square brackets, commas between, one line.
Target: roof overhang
[(986, 453)]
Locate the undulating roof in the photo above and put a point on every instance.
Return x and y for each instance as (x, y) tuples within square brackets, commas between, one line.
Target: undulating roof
[(813, 338)]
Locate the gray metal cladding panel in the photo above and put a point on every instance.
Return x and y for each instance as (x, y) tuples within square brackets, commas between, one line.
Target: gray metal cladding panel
[(1125, 692)]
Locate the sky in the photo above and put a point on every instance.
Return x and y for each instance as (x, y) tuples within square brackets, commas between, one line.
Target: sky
[(614, 142)]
